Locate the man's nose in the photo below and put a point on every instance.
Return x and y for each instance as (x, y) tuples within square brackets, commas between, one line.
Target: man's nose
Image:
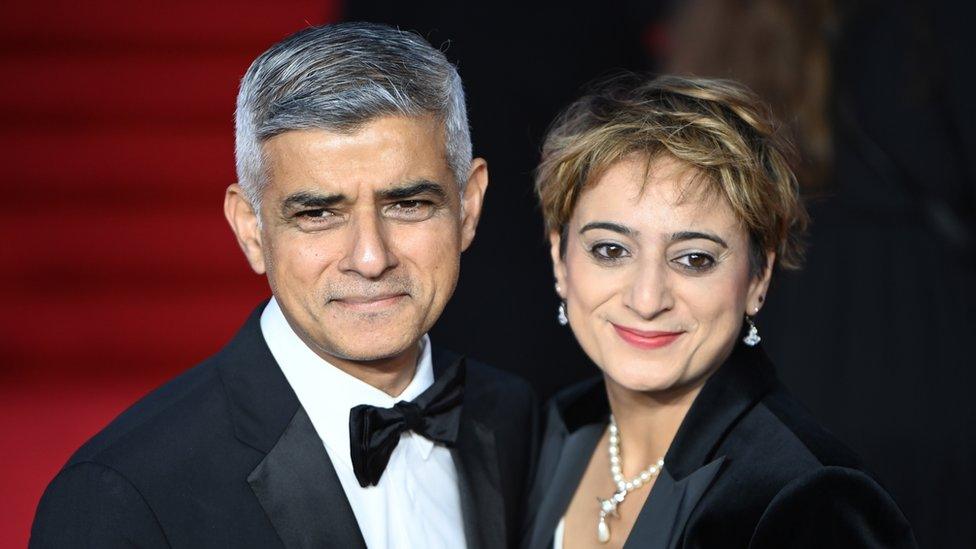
[(650, 293), (368, 254)]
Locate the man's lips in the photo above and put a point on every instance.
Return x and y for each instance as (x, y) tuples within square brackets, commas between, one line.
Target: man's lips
[(646, 339), (372, 302)]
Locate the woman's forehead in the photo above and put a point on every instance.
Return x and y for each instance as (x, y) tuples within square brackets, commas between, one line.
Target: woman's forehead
[(663, 193)]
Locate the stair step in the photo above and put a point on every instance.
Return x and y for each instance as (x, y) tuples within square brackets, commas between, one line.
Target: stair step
[(108, 24), (118, 331), (115, 163), (69, 245), (83, 89)]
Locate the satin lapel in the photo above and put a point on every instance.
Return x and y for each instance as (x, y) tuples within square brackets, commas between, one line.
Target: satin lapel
[(301, 493), (665, 513), (482, 505), (574, 456)]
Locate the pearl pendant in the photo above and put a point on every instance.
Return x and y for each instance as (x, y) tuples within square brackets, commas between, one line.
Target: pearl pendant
[(602, 531), (608, 507)]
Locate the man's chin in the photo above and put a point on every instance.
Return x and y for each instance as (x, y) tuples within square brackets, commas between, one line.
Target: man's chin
[(376, 349)]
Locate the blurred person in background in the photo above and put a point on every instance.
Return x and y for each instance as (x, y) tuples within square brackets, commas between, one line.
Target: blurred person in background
[(329, 420), (878, 97), (669, 204)]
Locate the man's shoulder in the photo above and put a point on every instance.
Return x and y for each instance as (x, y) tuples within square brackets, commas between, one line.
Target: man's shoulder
[(494, 394), (174, 413), (491, 378), (482, 377)]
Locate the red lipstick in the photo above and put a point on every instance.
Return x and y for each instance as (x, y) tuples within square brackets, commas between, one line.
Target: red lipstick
[(646, 340)]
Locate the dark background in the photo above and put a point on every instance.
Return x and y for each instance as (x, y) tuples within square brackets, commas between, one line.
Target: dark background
[(118, 269)]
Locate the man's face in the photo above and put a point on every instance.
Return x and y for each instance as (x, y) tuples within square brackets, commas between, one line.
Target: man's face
[(362, 233)]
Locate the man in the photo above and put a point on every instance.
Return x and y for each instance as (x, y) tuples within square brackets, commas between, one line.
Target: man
[(329, 420)]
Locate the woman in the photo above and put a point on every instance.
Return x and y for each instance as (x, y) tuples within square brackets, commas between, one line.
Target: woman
[(669, 203)]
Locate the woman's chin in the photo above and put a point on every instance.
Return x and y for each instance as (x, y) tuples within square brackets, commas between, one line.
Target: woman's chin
[(644, 380)]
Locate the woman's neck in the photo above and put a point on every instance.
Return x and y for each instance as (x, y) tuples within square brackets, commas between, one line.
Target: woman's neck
[(648, 422)]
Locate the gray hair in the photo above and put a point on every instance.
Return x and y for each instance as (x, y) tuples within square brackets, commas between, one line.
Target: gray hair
[(340, 77)]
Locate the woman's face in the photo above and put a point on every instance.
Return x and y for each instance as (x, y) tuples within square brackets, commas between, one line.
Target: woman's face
[(656, 275)]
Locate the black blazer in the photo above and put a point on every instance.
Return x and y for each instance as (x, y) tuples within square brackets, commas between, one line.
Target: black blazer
[(224, 456), (747, 468)]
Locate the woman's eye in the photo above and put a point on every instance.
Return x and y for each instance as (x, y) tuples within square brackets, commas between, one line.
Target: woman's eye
[(696, 261), (609, 252)]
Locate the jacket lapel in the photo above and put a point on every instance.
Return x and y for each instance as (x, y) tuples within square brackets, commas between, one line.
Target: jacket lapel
[(295, 483), (475, 456), (301, 493), (668, 507), (568, 455), (693, 463), (482, 505)]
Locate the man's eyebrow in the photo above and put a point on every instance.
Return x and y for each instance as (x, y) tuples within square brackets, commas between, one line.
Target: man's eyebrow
[(606, 225), (692, 235), (411, 190), (310, 200)]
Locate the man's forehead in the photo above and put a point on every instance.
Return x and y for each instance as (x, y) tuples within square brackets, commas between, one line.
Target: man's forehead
[(386, 154)]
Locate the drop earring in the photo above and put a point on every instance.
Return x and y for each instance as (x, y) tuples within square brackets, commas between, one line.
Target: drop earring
[(752, 338), (561, 316)]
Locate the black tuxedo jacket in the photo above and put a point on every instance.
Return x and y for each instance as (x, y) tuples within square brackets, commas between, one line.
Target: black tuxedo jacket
[(224, 456), (747, 468)]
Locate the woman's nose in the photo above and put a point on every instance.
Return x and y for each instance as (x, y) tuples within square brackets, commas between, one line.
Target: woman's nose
[(649, 293)]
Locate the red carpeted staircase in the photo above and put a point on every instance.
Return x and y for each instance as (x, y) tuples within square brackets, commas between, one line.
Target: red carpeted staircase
[(118, 269)]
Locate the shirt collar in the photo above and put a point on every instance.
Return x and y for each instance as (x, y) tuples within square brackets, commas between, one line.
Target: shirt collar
[(328, 393)]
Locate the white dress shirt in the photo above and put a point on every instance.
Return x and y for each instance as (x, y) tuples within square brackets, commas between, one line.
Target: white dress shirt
[(417, 502)]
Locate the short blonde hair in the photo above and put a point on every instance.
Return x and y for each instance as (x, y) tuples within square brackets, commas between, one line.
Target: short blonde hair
[(718, 127)]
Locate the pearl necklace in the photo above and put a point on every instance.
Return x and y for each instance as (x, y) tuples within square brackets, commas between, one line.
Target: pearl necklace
[(608, 507)]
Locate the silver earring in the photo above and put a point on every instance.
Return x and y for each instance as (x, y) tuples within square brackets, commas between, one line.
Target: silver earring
[(752, 338), (563, 319)]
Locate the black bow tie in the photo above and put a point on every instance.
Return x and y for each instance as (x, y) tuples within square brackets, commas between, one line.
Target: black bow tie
[(374, 432)]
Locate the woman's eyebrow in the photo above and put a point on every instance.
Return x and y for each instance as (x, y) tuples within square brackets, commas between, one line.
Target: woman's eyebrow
[(608, 226), (692, 235)]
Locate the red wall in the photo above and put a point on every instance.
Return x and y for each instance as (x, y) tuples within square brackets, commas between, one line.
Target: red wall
[(118, 270)]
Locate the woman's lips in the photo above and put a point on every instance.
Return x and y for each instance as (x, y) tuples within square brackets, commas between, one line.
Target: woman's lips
[(646, 340)]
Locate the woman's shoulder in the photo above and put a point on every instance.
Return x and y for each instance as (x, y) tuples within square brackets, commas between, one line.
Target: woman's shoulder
[(832, 506), (779, 420), (799, 484)]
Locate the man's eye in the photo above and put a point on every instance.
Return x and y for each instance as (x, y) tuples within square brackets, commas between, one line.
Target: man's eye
[(697, 261), (408, 204), (314, 214), (609, 252), (315, 219), (411, 210)]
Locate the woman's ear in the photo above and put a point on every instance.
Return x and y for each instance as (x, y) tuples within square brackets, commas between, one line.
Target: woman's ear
[(760, 286), (558, 266)]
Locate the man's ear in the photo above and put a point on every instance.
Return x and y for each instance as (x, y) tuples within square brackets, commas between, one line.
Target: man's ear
[(558, 265), (243, 221), (472, 200)]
